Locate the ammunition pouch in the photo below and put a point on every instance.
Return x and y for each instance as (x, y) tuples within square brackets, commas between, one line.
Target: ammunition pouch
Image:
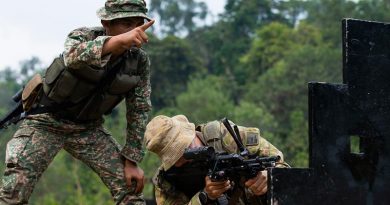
[(31, 91), (215, 134), (62, 84), (212, 134), (70, 89)]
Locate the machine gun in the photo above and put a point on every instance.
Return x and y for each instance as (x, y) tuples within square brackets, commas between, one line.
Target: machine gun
[(222, 166)]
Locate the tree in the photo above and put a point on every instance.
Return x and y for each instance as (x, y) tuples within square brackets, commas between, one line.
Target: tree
[(295, 147), (222, 44), (206, 99), (293, 58), (249, 114), (178, 17), (173, 61), (29, 68), (269, 46), (327, 15)]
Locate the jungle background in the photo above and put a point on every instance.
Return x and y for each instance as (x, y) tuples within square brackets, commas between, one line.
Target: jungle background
[(252, 65)]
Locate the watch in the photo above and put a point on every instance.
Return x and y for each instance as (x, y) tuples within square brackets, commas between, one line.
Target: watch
[(204, 198)]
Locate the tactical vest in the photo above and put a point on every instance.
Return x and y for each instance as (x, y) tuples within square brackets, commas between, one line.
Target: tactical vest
[(70, 90), (215, 134)]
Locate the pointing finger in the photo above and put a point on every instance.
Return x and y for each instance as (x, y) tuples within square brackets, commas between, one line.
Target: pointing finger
[(147, 25)]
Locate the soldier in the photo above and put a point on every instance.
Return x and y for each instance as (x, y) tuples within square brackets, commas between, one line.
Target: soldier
[(169, 137), (99, 68)]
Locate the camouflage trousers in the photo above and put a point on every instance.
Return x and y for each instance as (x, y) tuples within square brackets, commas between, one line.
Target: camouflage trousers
[(41, 137)]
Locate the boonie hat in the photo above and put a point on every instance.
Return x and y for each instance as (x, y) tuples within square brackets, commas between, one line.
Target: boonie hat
[(168, 137), (115, 9)]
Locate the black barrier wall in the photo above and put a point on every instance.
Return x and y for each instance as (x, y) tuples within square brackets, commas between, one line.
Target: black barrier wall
[(349, 129)]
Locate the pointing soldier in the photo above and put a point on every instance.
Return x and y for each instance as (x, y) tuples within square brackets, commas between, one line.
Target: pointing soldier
[(99, 68), (168, 137)]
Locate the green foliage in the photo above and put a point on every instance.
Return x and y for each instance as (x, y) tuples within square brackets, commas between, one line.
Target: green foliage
[(150, 164), (9, 85), (295, 147), (116, 123), (223, 43), (249, 14), (252, 115), (283, 86), (326, 15), (274, 42), (172, 61), (206, 99), (270, 44), (249, 114), (177, 17)]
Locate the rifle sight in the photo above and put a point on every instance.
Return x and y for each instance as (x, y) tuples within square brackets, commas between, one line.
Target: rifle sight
[(199, 153)]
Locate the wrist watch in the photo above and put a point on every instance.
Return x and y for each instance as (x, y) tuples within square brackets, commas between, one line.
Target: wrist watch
[(204, 198)]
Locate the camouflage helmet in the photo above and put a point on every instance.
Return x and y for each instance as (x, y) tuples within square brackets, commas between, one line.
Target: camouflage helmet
[(115, 9), (168, 137)]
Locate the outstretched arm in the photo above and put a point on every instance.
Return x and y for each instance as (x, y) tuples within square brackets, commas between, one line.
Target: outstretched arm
[(118, 44)]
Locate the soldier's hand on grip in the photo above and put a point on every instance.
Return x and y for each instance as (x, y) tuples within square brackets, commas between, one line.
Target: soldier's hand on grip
[(258, 185), (215, 189)]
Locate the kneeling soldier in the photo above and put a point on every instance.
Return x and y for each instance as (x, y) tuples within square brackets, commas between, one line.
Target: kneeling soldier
[(170, 137)]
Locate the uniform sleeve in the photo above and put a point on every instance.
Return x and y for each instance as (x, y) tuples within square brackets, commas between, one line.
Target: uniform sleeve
[(138, 106), (265, 148), (83, 45), (195, 200)]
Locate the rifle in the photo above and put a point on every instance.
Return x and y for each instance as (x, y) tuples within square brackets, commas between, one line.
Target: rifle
[(16, 114), (25, 99)]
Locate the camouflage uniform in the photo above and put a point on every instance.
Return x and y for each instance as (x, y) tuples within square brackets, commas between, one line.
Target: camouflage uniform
[(217, 137), (41, 136)]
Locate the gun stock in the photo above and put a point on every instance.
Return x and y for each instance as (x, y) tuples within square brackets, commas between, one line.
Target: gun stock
[(14, 116)]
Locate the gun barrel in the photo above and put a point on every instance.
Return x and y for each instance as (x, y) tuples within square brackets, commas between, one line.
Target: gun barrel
[(18, 95), (264, 159)]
